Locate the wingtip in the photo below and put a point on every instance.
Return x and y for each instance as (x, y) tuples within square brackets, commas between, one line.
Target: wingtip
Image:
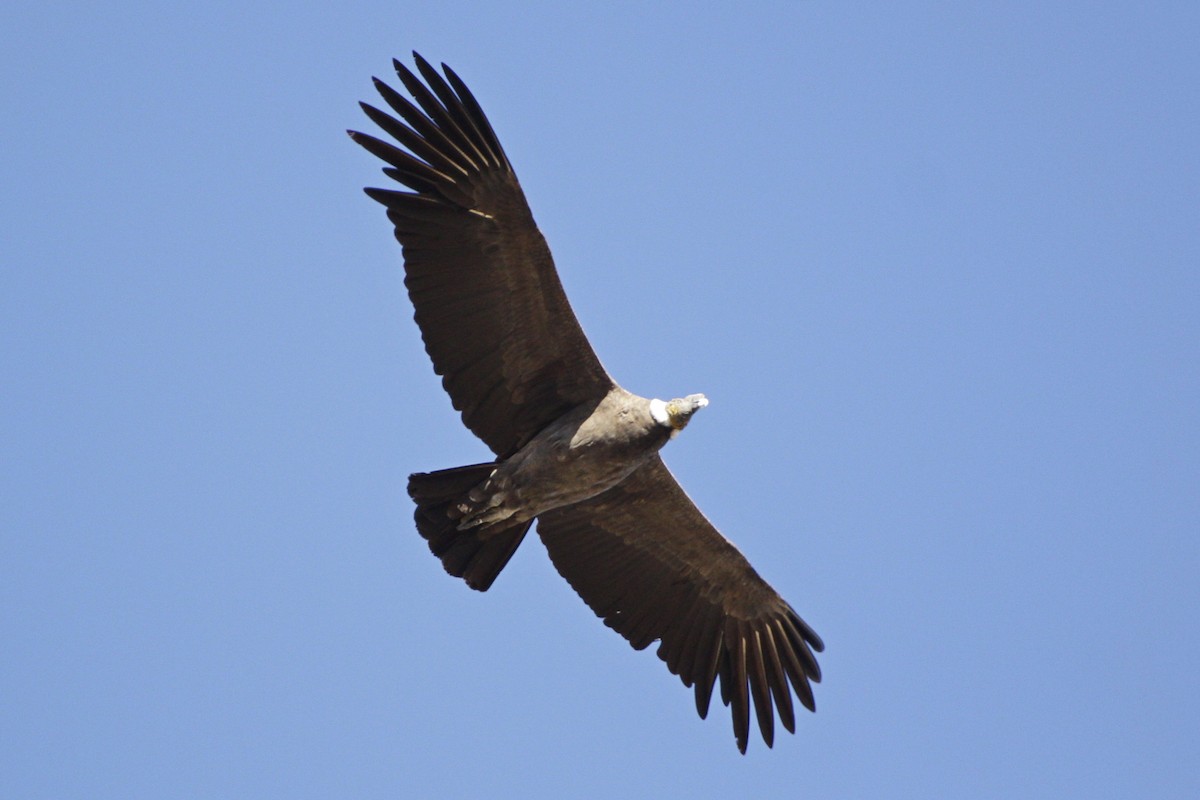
[(378, 195), (422, 65)]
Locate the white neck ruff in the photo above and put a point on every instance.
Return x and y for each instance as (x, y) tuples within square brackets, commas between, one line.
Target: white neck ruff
[(658, 410)]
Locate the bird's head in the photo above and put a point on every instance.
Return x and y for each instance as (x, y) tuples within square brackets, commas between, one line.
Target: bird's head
[(675, 414)]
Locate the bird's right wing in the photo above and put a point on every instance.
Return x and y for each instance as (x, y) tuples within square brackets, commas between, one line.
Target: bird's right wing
[(491, 309), (645, 559)]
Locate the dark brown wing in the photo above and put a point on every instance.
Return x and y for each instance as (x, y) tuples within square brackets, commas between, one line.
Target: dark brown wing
[(488, 301), (645, 559)]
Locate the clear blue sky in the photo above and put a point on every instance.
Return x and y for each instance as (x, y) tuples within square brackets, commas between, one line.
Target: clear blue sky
[(937, 267)]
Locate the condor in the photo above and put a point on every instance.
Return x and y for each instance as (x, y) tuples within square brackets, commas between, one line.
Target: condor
[(574, 451)]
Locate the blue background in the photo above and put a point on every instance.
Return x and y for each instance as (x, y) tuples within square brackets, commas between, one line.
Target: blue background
[(936, 265)]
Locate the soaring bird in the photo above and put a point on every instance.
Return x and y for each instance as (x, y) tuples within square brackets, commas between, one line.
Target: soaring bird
[(574, 451)]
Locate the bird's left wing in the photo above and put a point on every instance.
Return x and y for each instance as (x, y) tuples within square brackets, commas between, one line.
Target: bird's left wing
[(492, 311), (645, 559)]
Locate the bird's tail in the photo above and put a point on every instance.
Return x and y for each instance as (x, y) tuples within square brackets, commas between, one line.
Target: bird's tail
[(476, 554)]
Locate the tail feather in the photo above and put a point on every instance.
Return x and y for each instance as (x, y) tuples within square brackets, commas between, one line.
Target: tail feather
[(477, 554)]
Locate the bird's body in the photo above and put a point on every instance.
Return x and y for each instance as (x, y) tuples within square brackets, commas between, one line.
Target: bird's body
[(588, 450), (574, 451)]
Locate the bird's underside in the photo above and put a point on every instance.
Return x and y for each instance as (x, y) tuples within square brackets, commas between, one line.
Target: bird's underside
[(589, 449), (574, 451)]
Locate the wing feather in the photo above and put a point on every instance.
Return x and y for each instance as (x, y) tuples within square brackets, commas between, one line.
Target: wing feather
[(708, 661), (735, 693), (760, 688), (778, 680), (645, 559)]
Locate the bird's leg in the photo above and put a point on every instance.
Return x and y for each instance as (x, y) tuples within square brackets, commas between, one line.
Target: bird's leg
[(484, 504)]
